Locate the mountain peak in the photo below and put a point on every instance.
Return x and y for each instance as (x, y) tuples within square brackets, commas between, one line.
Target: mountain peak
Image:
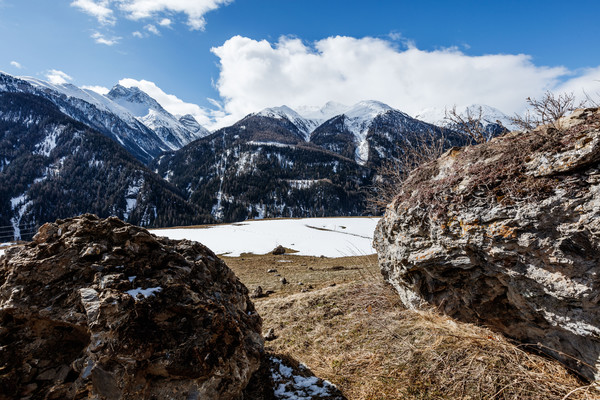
[(134, 99)]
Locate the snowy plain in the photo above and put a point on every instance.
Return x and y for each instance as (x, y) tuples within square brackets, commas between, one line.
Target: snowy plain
[(329, 237)]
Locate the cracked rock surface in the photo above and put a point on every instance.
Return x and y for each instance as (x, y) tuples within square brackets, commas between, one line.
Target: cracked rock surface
[(507, 235), (100, 309)]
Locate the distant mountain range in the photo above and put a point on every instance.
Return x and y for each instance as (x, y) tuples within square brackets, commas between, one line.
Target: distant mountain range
[(66, 151)]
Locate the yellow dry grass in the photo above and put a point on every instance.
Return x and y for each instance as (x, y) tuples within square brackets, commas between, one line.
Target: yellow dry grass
[(358, 336)]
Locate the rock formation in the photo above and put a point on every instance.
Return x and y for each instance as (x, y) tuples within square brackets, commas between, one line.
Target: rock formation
[(507, 234), (105, 310)]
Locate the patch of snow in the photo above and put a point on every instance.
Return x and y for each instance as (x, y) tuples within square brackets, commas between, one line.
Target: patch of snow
[(272, 144), (19, 206), (131, 196), (330, 237), (132, 278), (302, 183), (49, 143), (298, 387), (144, 292)]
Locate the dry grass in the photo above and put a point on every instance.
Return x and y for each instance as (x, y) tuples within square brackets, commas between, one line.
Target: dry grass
[(358, 336)]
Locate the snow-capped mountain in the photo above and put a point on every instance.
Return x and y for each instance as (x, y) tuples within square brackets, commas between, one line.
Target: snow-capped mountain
[(193, 126), (139, 124), (491, 117), (304, 125), (134, 136), (266, 166), (369, 131), (53, 166), (148, 111)]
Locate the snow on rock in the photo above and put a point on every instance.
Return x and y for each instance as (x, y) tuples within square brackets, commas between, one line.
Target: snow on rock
[(330, 237), (293, 385), (144, 292)]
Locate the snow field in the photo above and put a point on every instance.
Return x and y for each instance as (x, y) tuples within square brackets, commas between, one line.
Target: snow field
[(329, 237)]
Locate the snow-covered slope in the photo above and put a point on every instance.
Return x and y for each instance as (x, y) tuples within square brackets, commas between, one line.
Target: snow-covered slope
[(94, 111), (193, 126), (304, 125), (359, 120), (148, 111), (330, 237), (489, 115), (322, 114)]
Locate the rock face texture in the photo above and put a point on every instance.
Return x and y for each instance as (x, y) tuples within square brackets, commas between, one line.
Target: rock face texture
[(507, 234), (100, 309)]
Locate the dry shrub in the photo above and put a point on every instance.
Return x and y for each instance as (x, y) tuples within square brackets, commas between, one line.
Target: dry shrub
[(391, 173), (547, 110), (359, 337)]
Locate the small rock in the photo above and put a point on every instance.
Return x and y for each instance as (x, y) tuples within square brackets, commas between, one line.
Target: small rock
[(300, 284), (332, 285), (270, 335), (271, 270), (257, 293), (283, 281), (279, 250)]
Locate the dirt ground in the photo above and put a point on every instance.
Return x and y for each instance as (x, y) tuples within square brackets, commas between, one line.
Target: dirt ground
[(338, 317)]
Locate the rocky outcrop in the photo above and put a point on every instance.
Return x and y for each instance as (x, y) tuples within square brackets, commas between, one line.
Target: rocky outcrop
[(507, 234), (105, 310)]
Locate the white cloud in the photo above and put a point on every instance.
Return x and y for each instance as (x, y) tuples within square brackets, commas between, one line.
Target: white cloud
[(152, 29), (585, 84), (165, 22), (105, 10), (100, 9), (16, 64), (101, 39), (57, 77), (138, 34), (98, 89), (173, 104), (257, 74)]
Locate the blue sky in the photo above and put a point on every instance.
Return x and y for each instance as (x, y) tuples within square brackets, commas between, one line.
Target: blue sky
[(250, 54)]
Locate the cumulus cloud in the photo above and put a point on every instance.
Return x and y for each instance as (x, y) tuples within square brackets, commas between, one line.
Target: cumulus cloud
[(173, 104), (258, 74), (98, 89), (57, 77), (16, 64), (166, 22), (101, 39), (152, 29), (586, 85), (100, 9), (106, 11)]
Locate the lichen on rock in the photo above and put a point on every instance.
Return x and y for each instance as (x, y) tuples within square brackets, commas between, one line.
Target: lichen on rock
[(97, 308), (507, 234)]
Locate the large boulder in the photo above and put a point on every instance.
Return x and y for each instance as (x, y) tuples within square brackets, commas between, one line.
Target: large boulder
[(507, 234), (101, 309)]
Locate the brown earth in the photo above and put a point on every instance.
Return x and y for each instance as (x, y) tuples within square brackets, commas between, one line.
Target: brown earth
[(358, 336)]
